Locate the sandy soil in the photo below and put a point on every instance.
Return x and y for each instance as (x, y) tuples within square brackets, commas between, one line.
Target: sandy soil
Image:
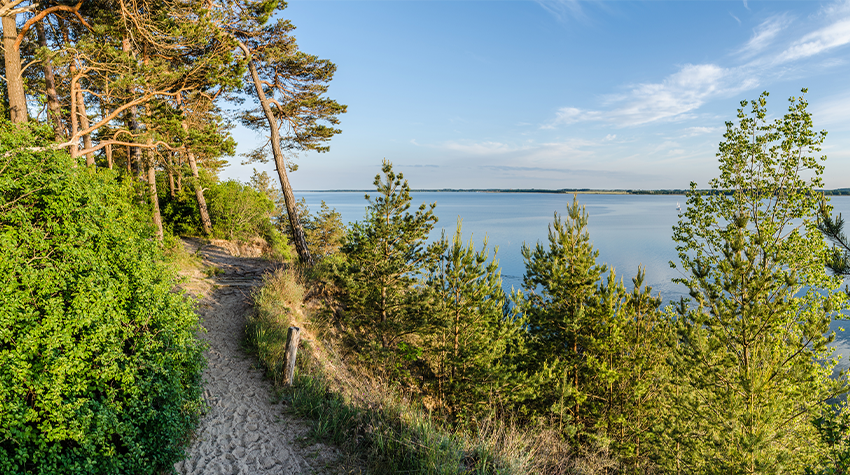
[(243, 431)]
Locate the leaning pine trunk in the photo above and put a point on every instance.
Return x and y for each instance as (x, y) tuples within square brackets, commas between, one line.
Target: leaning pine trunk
[(199, 191), (53, 107), (14, 82), (157, 217), (288, 197)]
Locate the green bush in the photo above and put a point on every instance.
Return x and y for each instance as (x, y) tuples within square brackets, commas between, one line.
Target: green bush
[(100, 371), (238, 211)]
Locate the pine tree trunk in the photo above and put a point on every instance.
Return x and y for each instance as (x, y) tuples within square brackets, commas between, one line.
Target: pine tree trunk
[(84, 124), (53, 107), (199, 191), (199, 195), (280, 164), (104, 111), (135, 156), (171, 178), (80, 116), (157, 217), (135, 153), (14, 82), (75, 143)]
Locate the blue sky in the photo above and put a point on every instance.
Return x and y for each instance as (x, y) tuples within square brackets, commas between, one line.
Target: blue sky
[(562, 94)]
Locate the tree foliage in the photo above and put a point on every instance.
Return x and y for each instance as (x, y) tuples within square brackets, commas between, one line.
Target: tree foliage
[(596, 353), (471, 332), (386, 257), (753, 366), (100, 371)]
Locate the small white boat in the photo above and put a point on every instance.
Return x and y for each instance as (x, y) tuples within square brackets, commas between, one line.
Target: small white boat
[(678, 208)]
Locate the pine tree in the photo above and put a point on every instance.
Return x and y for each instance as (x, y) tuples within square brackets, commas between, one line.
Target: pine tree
[(596, 353), (832, 228), (563, 305), (472, 330), (387, 257), (752, 366), (288, 87)]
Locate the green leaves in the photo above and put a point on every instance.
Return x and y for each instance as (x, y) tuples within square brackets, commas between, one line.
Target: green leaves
[(596, 353), (99, 367), (472, 332), (752, 350)]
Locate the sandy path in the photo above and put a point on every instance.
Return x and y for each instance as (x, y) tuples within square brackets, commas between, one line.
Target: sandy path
[(243, 432)]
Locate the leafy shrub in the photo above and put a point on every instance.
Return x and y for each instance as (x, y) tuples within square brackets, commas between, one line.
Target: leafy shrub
[(238, 211), (100, 371)]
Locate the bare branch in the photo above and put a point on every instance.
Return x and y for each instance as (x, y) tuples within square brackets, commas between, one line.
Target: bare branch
[(59, 8)]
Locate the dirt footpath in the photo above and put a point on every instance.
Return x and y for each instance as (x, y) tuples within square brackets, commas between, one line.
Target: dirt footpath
[(243, 430)]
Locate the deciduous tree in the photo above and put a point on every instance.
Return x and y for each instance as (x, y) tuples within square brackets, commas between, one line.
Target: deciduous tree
[(752, 363)]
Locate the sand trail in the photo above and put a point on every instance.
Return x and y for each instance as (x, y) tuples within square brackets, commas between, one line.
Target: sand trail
[(243, 431)]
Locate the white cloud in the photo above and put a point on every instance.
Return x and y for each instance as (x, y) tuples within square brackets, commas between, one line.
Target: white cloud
[(736, 18), (571, 115), (678, 96), (481, 148), (695, 131), (673, 99), (666, 145), (829, 37), (832, 113), (764, 34), (680, 93), (562, 9)]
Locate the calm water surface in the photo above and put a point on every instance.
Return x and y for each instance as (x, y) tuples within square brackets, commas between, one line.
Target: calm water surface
[(628, 230)]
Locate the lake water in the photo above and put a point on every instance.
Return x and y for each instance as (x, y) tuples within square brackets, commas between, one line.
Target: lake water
[(628, 230)]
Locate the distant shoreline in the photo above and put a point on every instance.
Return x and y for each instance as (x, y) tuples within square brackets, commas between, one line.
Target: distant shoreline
[(583, 191)]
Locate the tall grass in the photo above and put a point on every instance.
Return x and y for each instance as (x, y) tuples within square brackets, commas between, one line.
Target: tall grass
[(370, 420)]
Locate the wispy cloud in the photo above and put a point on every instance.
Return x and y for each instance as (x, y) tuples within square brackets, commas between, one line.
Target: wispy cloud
[(696, 131), (571, 115), (832, 113), (563, 9), (480, 148), (827, 38), (764, 35), (678, 96), (681, 92), (736, 18), (565, 171)]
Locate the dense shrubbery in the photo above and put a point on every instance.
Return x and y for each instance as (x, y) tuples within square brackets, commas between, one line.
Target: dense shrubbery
[(100, 371), (238, 212)]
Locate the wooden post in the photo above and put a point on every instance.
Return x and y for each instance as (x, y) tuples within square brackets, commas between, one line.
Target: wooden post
[(292, 338)]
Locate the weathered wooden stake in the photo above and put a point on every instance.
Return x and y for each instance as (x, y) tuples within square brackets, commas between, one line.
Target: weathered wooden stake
[(292, 338)]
